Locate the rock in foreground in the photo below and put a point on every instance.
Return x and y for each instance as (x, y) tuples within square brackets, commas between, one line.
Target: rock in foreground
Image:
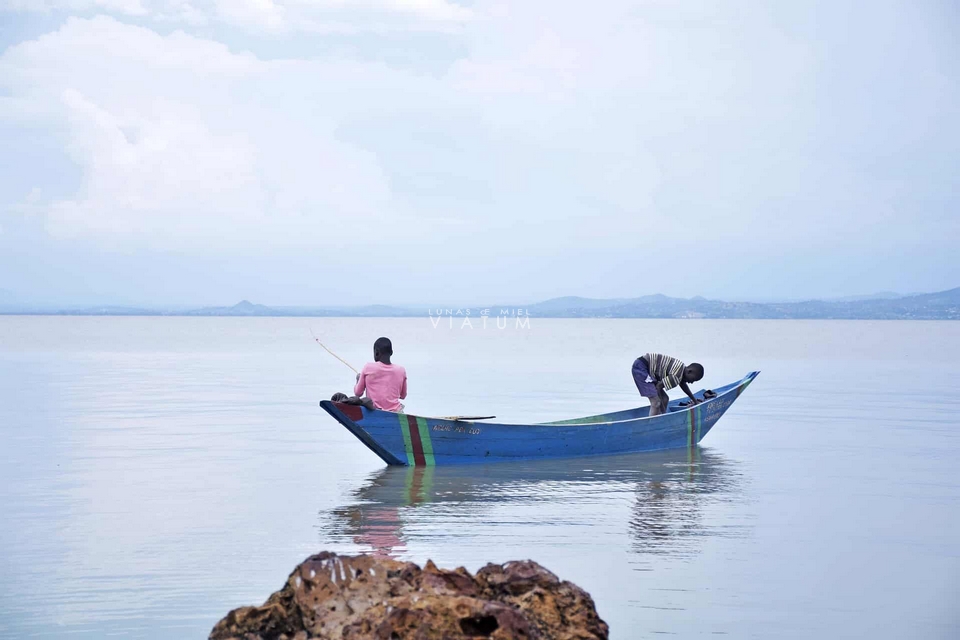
[(329, 596)]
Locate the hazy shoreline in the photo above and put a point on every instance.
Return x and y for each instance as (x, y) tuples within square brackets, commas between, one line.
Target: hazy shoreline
[(943, 305)]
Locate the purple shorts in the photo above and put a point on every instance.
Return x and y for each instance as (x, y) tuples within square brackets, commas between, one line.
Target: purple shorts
[(640, 375)]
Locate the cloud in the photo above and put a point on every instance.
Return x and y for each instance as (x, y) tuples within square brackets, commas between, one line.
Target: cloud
[(272, 16), (436, 10), (342, 16), (585, 141), (124, 7), (182, 145), (160, 180), (265, 14)]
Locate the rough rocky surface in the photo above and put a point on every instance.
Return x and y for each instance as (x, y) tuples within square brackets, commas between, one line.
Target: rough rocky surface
[(353, 597)]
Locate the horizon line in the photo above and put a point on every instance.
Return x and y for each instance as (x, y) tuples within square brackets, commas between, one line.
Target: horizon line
[(14, 307)]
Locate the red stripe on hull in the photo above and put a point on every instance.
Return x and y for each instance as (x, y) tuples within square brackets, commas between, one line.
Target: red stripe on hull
[(352, 411), (418, 458)]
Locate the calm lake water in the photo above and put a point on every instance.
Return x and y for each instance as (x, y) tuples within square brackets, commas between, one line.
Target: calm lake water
[(157, 472)]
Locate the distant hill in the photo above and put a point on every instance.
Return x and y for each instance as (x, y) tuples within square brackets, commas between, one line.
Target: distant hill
[(943, 305), (242, 308), (880, 295), (247, 308), (109, 310), (555, 305)]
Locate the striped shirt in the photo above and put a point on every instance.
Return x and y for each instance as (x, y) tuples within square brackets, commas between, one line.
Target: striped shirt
[(665, 369)]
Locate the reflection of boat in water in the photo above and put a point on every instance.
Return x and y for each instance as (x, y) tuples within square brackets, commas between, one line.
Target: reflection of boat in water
[(664, 493), (408, 440)]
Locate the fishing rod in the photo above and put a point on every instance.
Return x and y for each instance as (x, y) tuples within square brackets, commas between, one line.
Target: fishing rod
[(327, 349), (452, 418)]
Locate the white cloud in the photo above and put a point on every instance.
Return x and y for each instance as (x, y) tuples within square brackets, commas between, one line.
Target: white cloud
[(343, 16), (545, 130), (265, 14), (124, 7), (182, 144), (160, 180), (439, 10), (273, 16)]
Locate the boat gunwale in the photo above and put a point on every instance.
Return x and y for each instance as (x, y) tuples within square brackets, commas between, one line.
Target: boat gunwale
[(353, 426), (733, 386)]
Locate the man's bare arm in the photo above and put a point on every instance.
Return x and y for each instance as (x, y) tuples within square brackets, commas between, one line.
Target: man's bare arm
[(686, 390)]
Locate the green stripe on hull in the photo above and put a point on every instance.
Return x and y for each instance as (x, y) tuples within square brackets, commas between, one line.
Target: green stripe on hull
[(407, 445), (425, 440), (694, 425)]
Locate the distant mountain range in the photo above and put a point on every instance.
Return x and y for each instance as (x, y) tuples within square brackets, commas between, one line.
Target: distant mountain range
[(944, 305)]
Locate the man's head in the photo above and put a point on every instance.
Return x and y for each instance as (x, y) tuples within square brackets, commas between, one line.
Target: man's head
[(693, 372), (382, 347)]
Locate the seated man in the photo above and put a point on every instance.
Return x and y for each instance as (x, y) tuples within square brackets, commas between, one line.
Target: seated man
[(385, 383), (654, 373)]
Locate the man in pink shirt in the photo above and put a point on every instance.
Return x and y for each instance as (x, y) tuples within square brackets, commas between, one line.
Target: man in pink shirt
[(385, 383)]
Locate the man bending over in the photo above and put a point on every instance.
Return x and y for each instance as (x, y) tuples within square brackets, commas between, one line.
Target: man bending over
[(655, 373)]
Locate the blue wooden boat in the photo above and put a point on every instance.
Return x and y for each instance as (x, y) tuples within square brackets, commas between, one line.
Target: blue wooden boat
[(403, 439)]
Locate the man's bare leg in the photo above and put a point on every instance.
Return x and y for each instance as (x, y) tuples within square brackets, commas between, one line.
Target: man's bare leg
[(657, 405)]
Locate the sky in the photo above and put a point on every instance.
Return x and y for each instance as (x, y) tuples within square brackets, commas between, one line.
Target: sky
[(325, 152)]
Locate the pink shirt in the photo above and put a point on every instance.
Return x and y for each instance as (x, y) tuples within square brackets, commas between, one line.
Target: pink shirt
[(386, 385)]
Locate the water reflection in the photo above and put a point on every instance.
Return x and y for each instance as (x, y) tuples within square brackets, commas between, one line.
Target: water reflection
[(657, 500), (668, 512)]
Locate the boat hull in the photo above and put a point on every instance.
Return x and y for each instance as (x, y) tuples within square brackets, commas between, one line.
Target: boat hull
[(404, 439)]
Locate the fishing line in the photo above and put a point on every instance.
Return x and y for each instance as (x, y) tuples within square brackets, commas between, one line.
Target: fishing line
[(331, 352)]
